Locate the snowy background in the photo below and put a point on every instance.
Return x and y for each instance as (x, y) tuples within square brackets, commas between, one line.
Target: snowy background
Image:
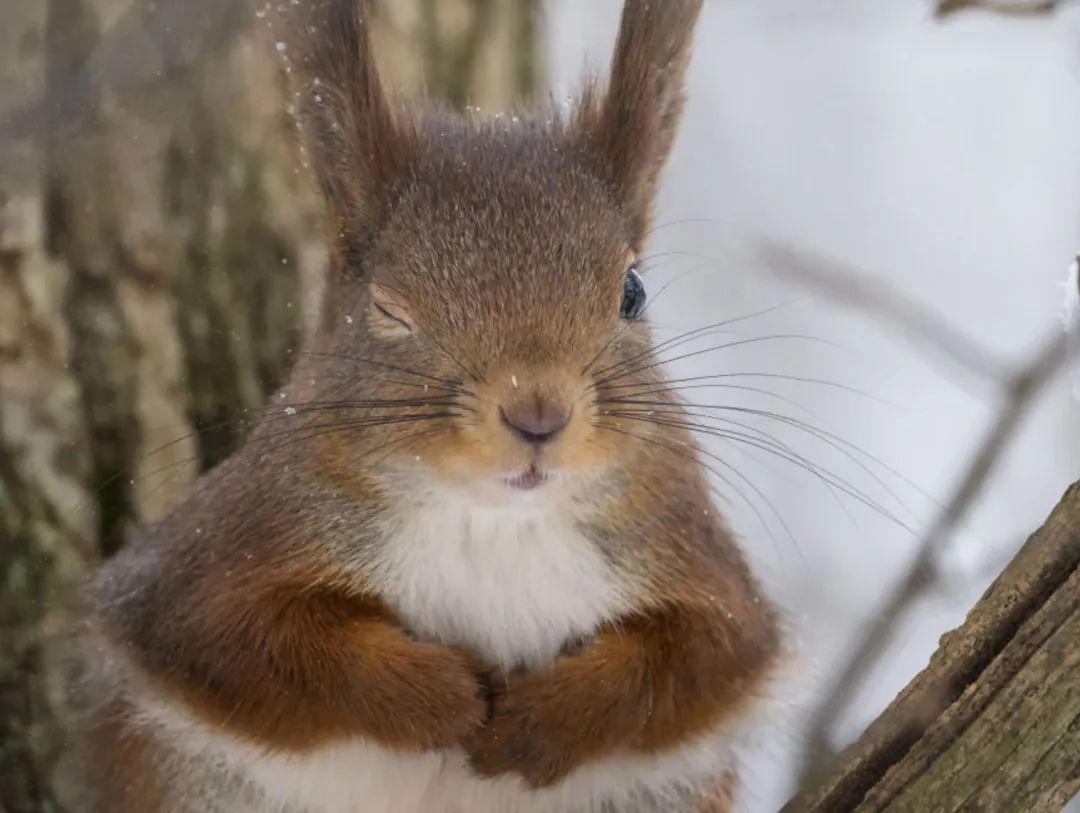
[(939, 156)]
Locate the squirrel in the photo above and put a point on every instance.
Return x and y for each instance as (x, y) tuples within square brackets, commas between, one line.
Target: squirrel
[(448, 572)]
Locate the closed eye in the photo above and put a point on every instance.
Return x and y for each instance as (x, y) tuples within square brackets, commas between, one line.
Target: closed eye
[(391, 316)]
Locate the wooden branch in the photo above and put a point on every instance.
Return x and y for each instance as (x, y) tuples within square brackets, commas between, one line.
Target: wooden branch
[(993, 722), (921, 575)]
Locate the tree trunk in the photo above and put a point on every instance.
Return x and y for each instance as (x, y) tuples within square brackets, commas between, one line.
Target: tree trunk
[(993, 722), (159, 248)]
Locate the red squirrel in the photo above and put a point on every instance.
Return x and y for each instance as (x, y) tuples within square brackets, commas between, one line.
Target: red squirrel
[(448, 573)]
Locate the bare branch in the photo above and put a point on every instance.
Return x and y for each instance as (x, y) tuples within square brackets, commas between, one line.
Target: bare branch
[(916, 321), (946, 8)]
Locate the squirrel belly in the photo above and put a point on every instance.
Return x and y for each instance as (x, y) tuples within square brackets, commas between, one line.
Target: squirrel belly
[(513, 585), (222, 774)]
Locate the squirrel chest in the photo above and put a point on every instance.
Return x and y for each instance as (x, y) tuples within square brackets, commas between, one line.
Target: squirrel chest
[(512, 584)]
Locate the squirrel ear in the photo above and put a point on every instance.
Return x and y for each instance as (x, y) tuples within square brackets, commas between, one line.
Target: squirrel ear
[(630, 129), (359, 144)]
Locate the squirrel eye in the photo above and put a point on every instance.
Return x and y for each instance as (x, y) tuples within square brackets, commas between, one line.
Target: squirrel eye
[(633, 298), (393, 318)]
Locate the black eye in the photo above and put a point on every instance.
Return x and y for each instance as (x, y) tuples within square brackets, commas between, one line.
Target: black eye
[(633, 297)]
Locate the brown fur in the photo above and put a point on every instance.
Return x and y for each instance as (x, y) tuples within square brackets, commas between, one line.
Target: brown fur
[(503, 245), (359, 143), (632, 127), (277, 648), (648, 683)]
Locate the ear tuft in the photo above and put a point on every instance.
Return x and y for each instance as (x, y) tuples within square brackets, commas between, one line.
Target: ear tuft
[(359, 144), (630, 129)]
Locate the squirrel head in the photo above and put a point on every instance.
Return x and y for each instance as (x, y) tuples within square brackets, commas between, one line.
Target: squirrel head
[(484, 289)]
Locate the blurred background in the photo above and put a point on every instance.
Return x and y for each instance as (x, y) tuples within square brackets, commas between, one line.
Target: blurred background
[(160, 243)]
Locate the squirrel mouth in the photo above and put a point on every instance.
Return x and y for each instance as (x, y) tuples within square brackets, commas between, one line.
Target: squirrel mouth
[(529, 479)]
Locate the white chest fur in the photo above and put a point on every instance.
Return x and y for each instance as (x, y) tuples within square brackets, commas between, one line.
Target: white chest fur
[(511, 584)]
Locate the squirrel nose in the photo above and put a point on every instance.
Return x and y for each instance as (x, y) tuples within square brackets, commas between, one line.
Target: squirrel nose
[(535, 421)]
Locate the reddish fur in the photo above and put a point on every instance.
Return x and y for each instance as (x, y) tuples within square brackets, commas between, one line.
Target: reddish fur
[(648, 683), (346, 668), (275, 648)]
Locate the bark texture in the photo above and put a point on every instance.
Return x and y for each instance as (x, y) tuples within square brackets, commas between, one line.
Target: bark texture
[(993, 722), (159, 245)]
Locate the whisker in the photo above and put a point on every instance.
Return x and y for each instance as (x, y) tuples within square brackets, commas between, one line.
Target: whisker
[(794, 458), (309, 435), (694, 334), (449, 383), (473, 373), (725, 346), (367, 421), (358, 381), (689, 455), (306, 407), (776, 376), (625, 326), (822, 434), (771, 440), (309, 432), (412, 436), (685, 221), (663, 390), (280, 413)]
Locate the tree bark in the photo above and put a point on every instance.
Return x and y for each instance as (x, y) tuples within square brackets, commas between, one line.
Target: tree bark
[(160, 244), (993, 722)]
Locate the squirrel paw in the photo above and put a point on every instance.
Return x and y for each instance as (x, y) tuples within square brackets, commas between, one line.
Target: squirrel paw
[(518, 739), (433, 701)]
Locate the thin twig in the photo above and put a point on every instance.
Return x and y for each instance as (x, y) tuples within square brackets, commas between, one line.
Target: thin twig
[(945, 8), (922, 574), (918, 322)]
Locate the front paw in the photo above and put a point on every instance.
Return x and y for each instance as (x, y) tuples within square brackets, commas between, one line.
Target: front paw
[(520, 738), (432, 699)]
